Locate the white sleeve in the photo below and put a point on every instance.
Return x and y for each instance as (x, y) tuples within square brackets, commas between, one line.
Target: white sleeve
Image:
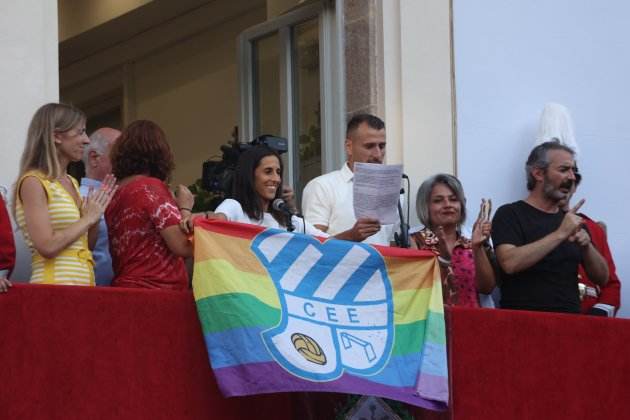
[(312, 230), (302, 226), (609, 309), (316, 205), (231, 209)]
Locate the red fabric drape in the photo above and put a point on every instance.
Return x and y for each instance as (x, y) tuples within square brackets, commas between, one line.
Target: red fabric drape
[(69, 352), (102, 353), (532, 365)]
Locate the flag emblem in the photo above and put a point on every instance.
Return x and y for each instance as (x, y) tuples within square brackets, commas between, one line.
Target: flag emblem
[(308, 348), (340, 293)]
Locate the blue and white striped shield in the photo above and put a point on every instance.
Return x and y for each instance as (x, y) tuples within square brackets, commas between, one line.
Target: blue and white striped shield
[(336, 302)]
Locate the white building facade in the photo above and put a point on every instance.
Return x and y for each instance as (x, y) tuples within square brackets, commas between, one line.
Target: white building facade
[(459, 84)]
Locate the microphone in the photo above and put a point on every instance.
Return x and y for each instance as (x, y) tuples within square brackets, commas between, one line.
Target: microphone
[(280, 205)]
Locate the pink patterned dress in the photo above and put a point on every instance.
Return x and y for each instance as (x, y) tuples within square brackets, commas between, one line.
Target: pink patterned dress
[(459, 283)]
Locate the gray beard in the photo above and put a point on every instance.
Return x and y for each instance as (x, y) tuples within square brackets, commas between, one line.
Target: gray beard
[(552, 193)]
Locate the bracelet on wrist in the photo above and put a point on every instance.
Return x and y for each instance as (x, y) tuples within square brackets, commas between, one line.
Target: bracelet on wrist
[(185, 208), (444, 261)]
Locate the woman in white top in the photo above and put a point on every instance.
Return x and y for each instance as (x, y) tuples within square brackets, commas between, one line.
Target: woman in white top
[(257, 183)]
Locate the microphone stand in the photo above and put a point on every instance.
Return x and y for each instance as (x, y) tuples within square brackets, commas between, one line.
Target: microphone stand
[(402, 239), (290, 227), (280, 205)]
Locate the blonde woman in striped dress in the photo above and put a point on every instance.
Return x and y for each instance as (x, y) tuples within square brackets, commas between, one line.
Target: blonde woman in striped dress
[(58, 226)]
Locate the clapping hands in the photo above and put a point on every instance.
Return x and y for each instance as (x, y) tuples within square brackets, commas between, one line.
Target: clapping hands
[(97, 200), (482, 227)]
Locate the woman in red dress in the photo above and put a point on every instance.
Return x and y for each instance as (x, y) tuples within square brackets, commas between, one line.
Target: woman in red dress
[(147, 245)]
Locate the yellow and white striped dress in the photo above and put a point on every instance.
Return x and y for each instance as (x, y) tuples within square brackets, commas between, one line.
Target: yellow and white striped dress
[(73, 265)]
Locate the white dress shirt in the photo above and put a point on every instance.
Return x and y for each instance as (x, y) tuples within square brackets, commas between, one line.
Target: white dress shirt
[(327, 200)]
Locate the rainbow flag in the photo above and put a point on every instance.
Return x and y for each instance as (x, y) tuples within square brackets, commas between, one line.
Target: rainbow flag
[(284, 312)]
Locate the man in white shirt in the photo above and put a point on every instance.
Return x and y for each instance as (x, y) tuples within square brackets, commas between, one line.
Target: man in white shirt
[(327, 200), (97, 165)]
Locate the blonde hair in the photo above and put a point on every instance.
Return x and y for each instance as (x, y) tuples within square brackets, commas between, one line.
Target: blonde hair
[(40, 152)]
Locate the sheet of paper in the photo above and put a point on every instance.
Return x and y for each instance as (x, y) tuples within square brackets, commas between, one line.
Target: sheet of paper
[(376, 191)]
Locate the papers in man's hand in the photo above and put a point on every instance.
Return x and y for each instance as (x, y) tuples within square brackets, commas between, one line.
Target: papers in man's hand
[(376, 191)]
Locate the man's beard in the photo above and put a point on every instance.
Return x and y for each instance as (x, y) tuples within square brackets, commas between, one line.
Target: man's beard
[(553, 193)]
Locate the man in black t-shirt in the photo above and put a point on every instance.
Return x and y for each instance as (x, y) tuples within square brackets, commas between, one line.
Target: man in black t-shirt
[(539, 246)]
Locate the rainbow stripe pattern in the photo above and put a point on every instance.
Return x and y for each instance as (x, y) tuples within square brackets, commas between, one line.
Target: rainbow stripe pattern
[(286, 312)]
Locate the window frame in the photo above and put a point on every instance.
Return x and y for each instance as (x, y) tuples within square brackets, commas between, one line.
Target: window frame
[(332, 82)]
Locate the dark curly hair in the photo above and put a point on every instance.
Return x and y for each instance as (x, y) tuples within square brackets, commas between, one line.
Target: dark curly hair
[(142, 149)]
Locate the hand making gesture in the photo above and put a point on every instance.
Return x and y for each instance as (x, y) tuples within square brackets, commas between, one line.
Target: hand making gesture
[(580, 236), (572, 223), (482, 227)]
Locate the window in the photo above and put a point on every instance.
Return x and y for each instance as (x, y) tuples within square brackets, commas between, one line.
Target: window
[(291, 81)]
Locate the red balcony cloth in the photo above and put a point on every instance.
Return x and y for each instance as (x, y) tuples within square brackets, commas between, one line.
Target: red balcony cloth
[(533, 365), (69, 352)]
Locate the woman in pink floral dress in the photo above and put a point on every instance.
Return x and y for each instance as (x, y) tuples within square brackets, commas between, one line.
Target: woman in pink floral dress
[(465, 264)]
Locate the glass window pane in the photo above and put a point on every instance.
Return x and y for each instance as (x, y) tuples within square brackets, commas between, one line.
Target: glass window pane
[(307, 102), (266, 61)]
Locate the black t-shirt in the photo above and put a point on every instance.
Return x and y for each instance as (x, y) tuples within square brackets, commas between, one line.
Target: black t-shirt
[(550, 284)]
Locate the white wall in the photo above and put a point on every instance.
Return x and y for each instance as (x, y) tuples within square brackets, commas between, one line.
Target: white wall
[(29, 78), (29, 75), (417, 89), (513, 57)]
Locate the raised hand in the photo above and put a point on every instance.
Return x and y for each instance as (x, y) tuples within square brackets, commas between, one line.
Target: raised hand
[(571, 223), (97, 201), (482, 227), (481, 233)]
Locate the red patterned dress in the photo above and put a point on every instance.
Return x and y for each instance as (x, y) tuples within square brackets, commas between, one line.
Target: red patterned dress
[(459, 283), (137, 213)]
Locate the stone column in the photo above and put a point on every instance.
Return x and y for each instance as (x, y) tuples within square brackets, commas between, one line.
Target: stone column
[(29, 78), (29, 73), (399, 67), (363, 57)]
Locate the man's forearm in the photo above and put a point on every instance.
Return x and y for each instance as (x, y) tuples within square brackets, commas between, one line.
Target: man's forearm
[(514, 259), (595, 265)]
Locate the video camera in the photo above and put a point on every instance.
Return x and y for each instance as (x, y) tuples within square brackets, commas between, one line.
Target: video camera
[(217, 175)]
